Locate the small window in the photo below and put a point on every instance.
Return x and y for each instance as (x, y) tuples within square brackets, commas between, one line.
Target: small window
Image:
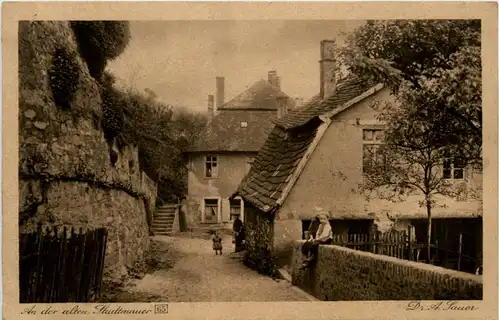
[(453, 168), (211, 168), (244, 124), (372, 140), (234, 209)]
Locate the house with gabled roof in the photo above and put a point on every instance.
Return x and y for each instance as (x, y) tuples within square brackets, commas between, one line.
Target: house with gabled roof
[(222, 156), (314, 158)]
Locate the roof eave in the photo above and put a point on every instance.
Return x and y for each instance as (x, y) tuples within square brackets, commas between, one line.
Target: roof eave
[(352, 102)]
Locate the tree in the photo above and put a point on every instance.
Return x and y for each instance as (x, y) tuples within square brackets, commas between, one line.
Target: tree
[(434, 70), (100, 42), (436, 59), (160, 131), (410, 162)]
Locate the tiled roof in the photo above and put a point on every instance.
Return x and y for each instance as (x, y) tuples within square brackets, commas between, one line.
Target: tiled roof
[(348, 89), (259, 96), (273, 166), (225, 133), (278, 159), (257, 106)]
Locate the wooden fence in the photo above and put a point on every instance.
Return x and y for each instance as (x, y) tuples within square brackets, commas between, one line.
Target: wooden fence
[(394, 243), (61, 265), (398, 244)]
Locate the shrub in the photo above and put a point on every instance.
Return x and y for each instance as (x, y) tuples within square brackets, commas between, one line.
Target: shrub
[(113, 116), (100, 41), (64, 76)]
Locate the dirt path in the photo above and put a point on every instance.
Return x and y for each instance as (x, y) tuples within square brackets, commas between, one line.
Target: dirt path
[(200, 275)]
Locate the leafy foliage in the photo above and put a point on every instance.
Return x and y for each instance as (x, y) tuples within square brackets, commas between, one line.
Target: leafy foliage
[(259, 254), (434, 64), (434, 70), (64, 76), (100, 41), (415, 49), (160, 131)]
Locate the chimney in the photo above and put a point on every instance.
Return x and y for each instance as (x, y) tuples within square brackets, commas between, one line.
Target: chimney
[(211, 111), (219, 83), (273, 79), (281, 105), (328, 68)]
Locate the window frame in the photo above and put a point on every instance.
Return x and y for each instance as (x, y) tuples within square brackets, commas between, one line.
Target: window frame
[(372, 142), (219, 208), (211, 161), (452, 169)]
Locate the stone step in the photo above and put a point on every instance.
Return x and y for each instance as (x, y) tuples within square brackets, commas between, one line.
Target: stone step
[(164, 218), (162, 233), (162, 223), (156, 222), (165, 211), (161, 230)]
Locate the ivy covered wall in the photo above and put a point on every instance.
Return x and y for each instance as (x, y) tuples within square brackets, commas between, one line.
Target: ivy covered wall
[(259, 254)]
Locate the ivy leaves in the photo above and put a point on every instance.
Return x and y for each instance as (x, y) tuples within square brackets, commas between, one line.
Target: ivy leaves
[(64, 76)]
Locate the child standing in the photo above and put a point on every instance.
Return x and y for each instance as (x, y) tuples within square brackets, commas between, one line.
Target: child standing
[(217, 243)]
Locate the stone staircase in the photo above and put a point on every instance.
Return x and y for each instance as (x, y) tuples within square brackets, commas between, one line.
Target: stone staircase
[(163, 220)]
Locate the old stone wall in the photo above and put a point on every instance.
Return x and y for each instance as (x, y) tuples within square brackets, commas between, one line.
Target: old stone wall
[(66, 174), (343, 274)]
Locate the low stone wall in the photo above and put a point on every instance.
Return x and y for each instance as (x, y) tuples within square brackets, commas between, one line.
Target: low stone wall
[(343, 274)]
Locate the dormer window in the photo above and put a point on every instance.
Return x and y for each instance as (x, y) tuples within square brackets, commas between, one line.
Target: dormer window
[(244, 124)]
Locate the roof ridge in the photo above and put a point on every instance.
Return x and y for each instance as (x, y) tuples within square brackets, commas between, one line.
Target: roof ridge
[(348, 88), (261, 83)]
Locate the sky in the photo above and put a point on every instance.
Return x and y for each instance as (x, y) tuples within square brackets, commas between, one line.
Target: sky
[(179, 60)]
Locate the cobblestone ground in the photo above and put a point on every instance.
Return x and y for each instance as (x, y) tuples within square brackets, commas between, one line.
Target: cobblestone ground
[(200, 275)]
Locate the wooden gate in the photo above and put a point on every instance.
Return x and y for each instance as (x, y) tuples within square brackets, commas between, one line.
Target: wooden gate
[(61, 265)]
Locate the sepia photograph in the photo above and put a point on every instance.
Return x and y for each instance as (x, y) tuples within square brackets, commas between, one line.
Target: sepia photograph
[(259, 160)]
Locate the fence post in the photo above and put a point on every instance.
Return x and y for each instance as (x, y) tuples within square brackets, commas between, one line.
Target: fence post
[(459, 251), (410, 249)]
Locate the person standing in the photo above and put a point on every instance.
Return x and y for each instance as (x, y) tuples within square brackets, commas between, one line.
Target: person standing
[(217, 243), (238, 234)]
